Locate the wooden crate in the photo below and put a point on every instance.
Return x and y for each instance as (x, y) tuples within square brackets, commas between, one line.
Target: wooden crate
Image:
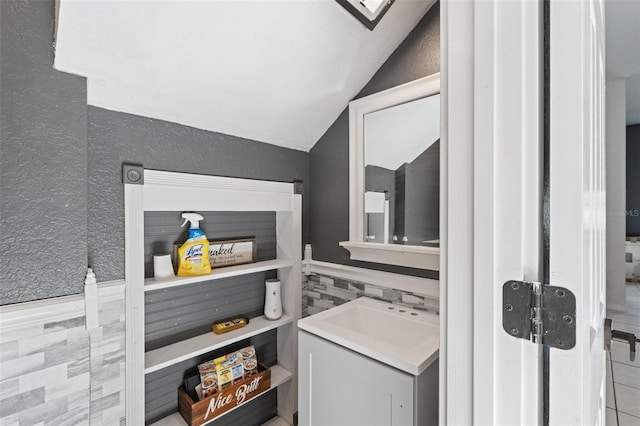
[(202, 412)]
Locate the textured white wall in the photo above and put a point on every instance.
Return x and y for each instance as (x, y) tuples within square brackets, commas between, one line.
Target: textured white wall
[(616, 217)]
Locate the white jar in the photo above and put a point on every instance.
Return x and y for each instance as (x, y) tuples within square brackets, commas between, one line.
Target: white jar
[(162, 267), (272, 300)]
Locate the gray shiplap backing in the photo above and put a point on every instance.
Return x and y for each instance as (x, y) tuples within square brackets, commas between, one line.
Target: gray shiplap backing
[(163, 229), (178, 313)]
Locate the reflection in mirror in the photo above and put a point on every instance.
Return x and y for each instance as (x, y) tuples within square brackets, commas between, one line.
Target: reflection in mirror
[(402, 173)]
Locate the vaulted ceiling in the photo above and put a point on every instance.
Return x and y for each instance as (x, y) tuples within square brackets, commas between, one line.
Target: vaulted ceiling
[(274, 71)]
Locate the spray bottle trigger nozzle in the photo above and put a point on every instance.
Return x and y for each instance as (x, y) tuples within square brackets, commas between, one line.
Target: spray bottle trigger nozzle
[(194, 218)]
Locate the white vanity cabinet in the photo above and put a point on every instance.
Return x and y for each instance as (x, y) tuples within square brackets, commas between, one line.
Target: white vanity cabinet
[(341, 387)]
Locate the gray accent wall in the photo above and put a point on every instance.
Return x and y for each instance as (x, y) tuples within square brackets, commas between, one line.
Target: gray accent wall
[(116, 137), (633, 180), (43, 161), (418, 56)]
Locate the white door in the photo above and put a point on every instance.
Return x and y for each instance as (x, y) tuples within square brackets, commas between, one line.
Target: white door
[(577, 205), (493, 168), (492, 163)]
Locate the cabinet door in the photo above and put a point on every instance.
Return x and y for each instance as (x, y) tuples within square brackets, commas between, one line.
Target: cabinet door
[(341, 387)]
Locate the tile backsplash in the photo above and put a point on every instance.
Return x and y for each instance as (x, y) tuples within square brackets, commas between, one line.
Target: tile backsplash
[(59, 373), (322, 292), (108, 364), (45, 374)]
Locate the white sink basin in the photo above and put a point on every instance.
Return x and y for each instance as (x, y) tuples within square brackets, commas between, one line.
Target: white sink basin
[(403, 338)]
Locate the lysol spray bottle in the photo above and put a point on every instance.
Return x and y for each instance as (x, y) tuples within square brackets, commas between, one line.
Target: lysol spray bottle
[(193, 255)]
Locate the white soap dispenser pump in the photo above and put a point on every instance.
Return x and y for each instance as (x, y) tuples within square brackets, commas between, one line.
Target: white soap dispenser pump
[(272, 299)]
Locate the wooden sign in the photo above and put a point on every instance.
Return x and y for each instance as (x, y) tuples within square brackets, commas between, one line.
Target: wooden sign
[(232, 252), (227, 252), (202, 412)]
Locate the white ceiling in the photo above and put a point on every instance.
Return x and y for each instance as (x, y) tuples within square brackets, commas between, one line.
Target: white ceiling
[(622, 23), (274, 71)]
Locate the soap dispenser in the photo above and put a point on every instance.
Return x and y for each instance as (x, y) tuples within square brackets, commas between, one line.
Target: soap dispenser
[(272, 300)]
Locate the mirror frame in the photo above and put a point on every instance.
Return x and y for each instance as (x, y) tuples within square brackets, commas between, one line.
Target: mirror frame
[(391, 254)]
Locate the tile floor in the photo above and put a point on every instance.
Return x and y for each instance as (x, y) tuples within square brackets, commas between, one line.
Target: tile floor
[(626, 374)]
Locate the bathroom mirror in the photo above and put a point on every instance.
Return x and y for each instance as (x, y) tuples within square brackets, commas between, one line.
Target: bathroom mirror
[(394, 140)]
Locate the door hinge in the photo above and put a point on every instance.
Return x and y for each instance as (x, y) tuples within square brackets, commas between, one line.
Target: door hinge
[(544, 314)]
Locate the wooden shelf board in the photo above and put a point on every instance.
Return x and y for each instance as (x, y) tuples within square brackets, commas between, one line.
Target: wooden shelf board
[(165, 356), (278, 376), (151, 284)]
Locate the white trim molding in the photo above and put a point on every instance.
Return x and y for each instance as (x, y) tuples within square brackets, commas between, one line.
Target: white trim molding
[(164, 190), (416, 257), (416, 285), (104, 292), (189, 180), (134, 199), (26, 314), (91, 300), (55, 309)]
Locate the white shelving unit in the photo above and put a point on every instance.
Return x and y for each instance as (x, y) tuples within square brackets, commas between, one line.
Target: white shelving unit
[(151, 284), (168, 191)]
